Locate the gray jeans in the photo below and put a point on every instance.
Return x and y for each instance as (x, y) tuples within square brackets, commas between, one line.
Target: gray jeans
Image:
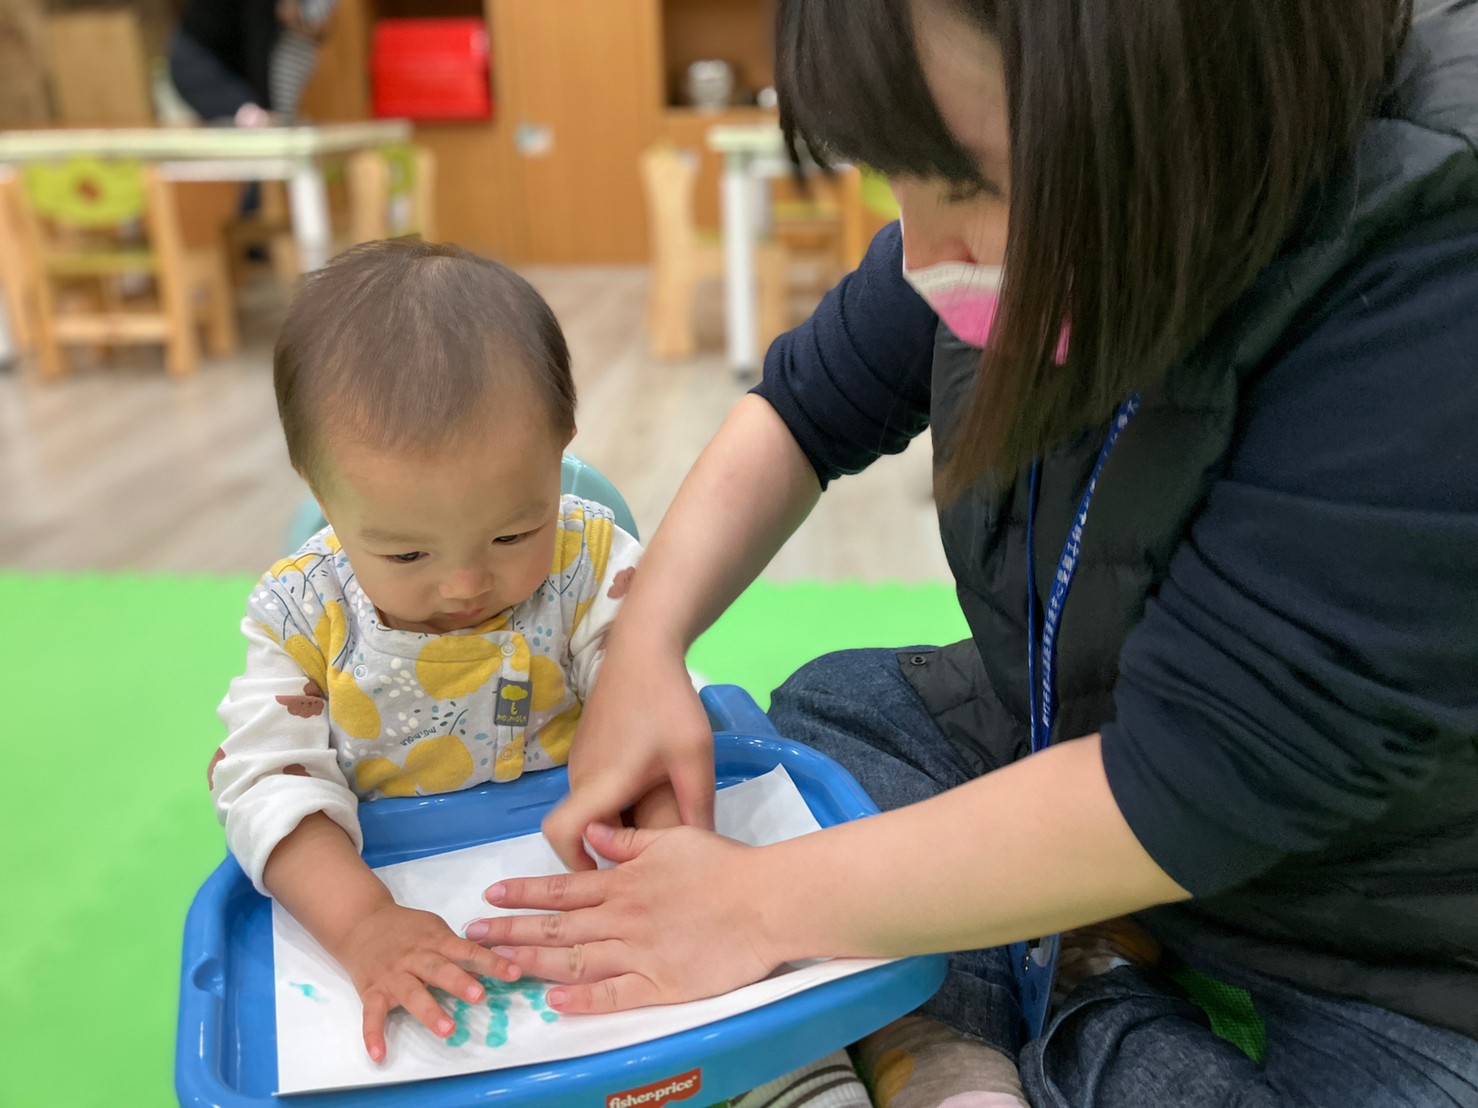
[(1129, 1038)]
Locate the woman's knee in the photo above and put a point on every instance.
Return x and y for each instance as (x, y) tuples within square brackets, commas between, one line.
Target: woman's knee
[(823, 694)]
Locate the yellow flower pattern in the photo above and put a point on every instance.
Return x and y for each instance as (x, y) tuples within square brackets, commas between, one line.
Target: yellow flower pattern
[(556, 735), (350, 708), (450, 666), (598, 543), (435, 766)]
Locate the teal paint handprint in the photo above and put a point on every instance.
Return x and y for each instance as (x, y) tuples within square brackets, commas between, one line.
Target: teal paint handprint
[(499, 1001)]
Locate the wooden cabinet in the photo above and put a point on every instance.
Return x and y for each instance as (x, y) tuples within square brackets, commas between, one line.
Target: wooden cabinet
[(339, 91), (580, 88)]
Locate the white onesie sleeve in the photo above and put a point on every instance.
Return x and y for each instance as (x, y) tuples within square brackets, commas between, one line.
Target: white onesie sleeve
[(276, 766), (614, 568)]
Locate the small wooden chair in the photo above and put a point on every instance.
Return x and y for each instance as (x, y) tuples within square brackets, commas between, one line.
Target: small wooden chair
[(268, 232), (16, 281), (392, 192), (87, 227), (682, 256), (818, 222)]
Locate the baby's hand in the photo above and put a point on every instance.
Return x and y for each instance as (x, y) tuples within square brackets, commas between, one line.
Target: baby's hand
[(657, 810), (394, 954)]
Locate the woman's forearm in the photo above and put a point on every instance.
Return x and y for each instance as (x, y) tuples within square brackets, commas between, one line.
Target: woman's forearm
[(748, 491), (1032, 849)]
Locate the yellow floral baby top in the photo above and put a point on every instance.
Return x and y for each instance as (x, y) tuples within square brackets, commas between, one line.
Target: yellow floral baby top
[(335, 707)]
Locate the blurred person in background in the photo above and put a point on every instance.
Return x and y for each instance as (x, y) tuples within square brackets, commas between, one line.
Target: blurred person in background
[(247, 61)]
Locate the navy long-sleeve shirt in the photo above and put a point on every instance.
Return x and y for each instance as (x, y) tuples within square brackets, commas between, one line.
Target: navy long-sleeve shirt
[(1313, 654)]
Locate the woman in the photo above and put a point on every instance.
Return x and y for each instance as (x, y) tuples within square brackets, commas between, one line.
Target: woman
[(1232, 377), (247, 61)]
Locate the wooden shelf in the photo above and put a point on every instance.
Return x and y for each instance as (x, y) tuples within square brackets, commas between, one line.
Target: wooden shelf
[(740, 32), (680, 116), (428, 9)]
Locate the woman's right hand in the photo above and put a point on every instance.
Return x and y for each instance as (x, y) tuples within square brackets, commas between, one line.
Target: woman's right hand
[(643, 726)]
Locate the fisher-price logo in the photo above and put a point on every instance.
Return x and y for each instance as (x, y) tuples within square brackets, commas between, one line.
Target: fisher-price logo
[(680, 1087)]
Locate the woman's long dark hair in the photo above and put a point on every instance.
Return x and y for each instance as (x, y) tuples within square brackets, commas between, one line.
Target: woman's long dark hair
[(1160, 153)]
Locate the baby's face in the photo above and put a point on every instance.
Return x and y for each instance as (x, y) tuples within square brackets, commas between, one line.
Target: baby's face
[(446, 540)]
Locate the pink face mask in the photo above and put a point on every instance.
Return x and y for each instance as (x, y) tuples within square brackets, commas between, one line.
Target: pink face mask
[(963, 295)]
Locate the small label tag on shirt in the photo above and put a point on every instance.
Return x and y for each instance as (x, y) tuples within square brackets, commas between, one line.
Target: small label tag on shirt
[(513, 703)]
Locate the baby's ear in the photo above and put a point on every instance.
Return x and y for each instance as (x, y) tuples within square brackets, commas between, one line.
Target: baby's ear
[(573, 432)]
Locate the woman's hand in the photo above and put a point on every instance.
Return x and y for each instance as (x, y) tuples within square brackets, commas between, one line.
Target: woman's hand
[(1037, 847), (642, 727), (395, 955), (643, 723), (660, 928)]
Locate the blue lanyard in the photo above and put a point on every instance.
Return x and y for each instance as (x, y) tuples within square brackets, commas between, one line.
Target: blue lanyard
[(1042, 651)]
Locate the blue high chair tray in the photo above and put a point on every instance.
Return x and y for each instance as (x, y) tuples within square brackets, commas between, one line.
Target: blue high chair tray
[(226, 1052)]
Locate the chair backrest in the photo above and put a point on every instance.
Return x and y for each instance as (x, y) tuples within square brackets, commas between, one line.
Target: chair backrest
[(577, 477), (580, 478), (89, 216), (87, 193), (669, 176)]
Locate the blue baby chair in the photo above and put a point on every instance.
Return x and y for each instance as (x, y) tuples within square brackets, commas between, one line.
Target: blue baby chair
[(226, 1046), (577, 478)]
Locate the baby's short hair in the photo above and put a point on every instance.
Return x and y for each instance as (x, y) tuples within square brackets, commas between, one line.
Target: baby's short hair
[(404, 343)]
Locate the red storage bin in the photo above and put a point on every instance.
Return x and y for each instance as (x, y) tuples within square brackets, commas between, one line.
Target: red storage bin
[(431, 69)]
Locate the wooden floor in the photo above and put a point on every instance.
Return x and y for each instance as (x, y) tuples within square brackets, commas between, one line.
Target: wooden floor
[(118, 467)]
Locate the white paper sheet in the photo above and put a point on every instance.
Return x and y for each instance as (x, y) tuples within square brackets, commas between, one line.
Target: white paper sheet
[(319, 1040)]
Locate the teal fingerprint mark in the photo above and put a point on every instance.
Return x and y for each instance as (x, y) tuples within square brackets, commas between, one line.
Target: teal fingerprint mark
[(499, 999), (536, 994), (309, 991), (463, 1032)]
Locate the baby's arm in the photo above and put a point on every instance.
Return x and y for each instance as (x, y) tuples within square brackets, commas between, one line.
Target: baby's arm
[(291, 821), (588, 635), (658, 809), (392, 954)]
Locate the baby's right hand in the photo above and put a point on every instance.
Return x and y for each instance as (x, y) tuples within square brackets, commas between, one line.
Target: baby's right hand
[(394, 954)]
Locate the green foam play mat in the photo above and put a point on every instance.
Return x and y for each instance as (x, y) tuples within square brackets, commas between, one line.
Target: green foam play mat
[(110, 684)]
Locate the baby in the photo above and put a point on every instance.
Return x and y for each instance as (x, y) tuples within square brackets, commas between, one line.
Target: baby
[(444, 629)]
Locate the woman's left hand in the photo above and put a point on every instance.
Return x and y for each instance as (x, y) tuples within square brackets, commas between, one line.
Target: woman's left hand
[(679, 918)]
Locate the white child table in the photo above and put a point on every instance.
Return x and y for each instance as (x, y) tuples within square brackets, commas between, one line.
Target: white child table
[(194, 153)]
